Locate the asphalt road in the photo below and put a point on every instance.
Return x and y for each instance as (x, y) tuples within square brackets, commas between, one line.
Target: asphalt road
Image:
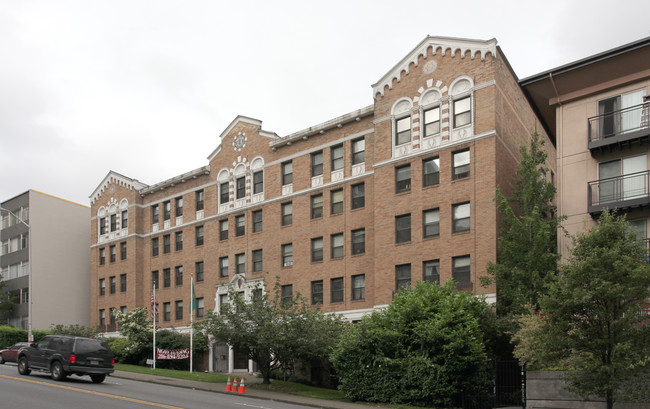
[(38, 390)]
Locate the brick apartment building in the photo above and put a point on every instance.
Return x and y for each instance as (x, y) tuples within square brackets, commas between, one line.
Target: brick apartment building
[(345, 212)]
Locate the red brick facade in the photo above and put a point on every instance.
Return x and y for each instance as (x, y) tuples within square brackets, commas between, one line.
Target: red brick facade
[(440, 74)]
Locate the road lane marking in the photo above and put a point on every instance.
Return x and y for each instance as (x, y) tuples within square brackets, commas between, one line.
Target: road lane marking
[(106, 395)]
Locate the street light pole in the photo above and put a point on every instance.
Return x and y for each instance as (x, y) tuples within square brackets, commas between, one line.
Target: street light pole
[(30, 335)]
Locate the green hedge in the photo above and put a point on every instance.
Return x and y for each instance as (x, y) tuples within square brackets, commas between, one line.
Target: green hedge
[(10, 335)]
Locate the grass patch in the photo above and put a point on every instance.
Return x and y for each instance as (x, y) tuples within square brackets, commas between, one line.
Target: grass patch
[(173, 373), (300, 389)]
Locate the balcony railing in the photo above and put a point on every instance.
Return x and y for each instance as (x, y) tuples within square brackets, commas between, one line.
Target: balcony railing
[(620, 128), (620, 192)]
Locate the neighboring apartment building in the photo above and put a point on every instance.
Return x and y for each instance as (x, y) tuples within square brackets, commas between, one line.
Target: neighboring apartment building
[(59, 262), (346, 212), (598, 110)]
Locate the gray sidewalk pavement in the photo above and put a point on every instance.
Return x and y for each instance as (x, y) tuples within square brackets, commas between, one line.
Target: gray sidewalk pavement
[(220, 387)]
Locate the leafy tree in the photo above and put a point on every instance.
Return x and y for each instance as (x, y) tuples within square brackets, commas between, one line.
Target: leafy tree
[(594, 320), (527, 255), (136, 327), (275, 333), (426, 348), (74, 330), (7, 302)]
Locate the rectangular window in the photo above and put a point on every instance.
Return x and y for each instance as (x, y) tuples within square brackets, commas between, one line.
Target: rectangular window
[(166, 243), (431, 271), (460, 164), (358, 151), (154, 279), (432, 122), (240, 263), (102, 286), (102, 225), (358, 241), (113, 253), (223, 303), (258, 182), (257, 260), (359, 287), (403, 277), (199, 233), (461, 270), (178, 205), (287, 173), (199, 307), (167, 311), (178, 270), (240, 185), (257, 221), (113, 222), (199, 200), (337, 157), (287, 255), (287, 213), (125, 219), (403, 179), (179, 310), (102, 318), (431, 223), (167, 210), (167, 278), (317, 249), (317, 163), (154, 214), (111, 285), (123, 250), (317, 292), (223, 229), (123, 309), (317, 206), (224, 194), (430, 172), (122, 283), (336, 289), (403, 228), (337, 245), (358, 196), (287, 294), (154, 246), (403, 131), (337, 201), (102, 256), (198, 270), (111, 315), (461, 217), (240, 225), (462, 112), (258, 295), (178, 236), (223, 266)]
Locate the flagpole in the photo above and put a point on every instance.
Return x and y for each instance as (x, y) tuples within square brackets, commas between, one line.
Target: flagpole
[(191, 320), (154, 310)]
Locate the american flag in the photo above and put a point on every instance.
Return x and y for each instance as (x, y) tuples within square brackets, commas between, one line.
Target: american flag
[(154, 306)]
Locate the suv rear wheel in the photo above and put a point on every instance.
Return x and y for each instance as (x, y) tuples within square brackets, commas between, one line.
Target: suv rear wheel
[(98, 378), (23, 367), (58, 374)]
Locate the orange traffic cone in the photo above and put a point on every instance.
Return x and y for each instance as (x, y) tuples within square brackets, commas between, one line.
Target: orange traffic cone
[(229, 385), (242, 386), (234, 385)]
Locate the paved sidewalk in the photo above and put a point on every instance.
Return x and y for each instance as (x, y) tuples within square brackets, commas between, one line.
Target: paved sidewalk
[(220, 387)]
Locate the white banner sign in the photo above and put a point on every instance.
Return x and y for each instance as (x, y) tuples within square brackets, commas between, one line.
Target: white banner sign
[(172, 353)]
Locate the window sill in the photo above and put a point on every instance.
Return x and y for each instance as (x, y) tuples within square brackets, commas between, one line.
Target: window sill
[(461, 179), (403, 243), (403, 192), (461, 232), (431, 237)]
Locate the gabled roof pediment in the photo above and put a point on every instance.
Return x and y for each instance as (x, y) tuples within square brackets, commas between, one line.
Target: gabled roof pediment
[(240, 119), (443, 44), (115, 178)]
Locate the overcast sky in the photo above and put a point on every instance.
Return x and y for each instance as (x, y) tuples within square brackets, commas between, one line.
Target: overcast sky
[(145, 88)]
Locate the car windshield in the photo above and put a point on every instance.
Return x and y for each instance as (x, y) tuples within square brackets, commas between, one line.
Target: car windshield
[(85, 346)]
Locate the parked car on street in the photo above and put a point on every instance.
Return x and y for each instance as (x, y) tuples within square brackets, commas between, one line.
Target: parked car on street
[(63, 355), (10, 354)]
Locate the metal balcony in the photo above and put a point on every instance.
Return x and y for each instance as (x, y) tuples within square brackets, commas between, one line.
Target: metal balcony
[(622, 192), (619, 129)]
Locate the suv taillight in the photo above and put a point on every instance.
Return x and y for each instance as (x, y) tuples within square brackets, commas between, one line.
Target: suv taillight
[(72, 359), (113, 362)]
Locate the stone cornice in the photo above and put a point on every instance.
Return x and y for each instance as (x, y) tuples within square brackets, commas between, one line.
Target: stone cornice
[(120, 180)]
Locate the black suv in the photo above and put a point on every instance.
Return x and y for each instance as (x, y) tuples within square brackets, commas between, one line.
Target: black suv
[(63, 355)]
